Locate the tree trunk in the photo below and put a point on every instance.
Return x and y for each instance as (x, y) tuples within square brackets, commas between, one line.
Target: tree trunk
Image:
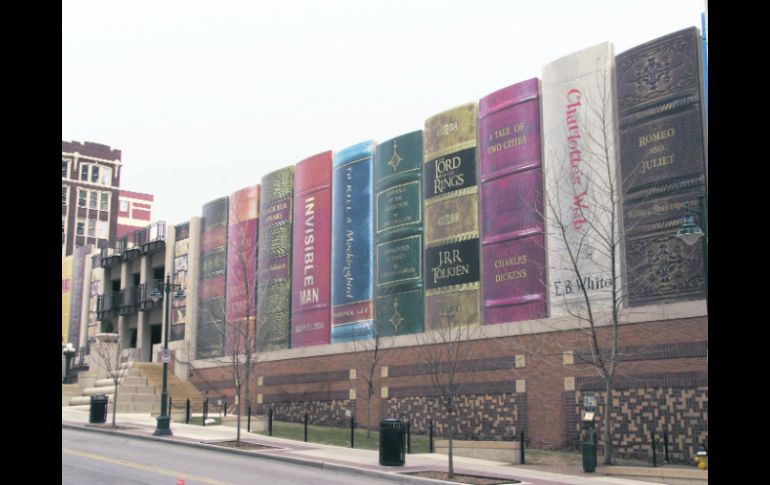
[(114, 403), (451, 429), (238, 416), (607, 420)]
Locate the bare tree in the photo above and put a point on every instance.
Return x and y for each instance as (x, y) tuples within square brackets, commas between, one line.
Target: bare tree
[(446, 352), (233, 337), (582, 203), (367, 355), (107, 350)]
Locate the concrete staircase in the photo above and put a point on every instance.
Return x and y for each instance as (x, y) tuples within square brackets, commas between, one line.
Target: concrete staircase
[(135, 395), (178, 390)]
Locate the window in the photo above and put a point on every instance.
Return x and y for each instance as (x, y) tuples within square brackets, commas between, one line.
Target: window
[(104, 201), (82, 194), (84, 172), (64, 192), (106, 176), (91, 227), (94, 174), (65, 169), (123, 206), (92, 200), (79, 228)]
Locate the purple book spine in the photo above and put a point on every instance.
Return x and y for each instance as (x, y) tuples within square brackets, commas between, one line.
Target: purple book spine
[(512, 238)]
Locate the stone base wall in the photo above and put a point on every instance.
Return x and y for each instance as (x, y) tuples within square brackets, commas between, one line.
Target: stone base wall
[(493, 417), (322, 413), (681, 409)]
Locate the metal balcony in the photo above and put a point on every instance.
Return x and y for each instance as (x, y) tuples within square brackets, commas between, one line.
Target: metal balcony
[(155, 235), (145, 302), (107, 305), (129, 300)]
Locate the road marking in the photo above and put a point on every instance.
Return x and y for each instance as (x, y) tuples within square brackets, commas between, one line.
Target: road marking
[(162, 471)]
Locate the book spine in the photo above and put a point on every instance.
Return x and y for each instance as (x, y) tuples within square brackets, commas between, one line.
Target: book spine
[(352, 244), (211, 290), (511, 193), (451, 209), (274, 281), (398, 235), (662, 165), (240, 287), (580, 163), (311, 272), (181, 269)]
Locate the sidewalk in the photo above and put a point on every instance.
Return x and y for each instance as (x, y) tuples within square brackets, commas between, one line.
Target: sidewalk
[(361, 462)]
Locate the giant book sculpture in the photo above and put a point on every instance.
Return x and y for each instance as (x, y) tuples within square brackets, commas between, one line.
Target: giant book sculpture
[(399, 235), (451, 208), (511, 192), (662, 164)]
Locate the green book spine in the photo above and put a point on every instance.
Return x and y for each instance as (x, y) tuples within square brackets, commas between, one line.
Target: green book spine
[(274, 280), (399, 235)]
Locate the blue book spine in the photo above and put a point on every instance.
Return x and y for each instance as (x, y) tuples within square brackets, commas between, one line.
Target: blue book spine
[(352, 243)]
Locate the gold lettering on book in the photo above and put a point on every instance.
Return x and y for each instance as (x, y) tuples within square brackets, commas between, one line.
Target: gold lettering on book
[(505, 132)]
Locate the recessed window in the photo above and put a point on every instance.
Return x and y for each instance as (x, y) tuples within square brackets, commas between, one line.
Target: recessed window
[(91, 227), (106, 176), (94, 174), (80, 228), (123, 206), (64, 169), (104, 201), (64, 192), (82, 195), (92, 200), (84, 172)]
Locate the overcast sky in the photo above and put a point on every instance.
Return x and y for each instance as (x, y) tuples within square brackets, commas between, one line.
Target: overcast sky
[(204, 98)]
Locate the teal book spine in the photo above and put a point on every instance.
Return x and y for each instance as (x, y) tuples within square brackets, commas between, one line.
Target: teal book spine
[(399, 235)]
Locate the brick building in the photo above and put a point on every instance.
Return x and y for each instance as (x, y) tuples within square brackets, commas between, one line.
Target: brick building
[(90, 175)]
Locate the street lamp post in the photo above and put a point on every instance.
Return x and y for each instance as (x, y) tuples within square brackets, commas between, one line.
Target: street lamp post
[(69, 352), (164, 420), (690, 233)]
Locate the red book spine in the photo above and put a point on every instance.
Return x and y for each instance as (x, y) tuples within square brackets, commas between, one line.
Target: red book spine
[(511, 193), (311, 272)]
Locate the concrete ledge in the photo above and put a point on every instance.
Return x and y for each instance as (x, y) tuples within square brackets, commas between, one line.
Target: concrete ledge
[(670, 476), (258, 422), (502, 451)]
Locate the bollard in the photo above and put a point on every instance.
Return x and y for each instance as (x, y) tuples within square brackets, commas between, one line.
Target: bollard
[(352, 430), (409, 437), (305, 427), (430, 436), (225, 408), (521, 447), (270, 422), (248, 420), (205, 410), (665, 445), (654, 454), (187, 412)]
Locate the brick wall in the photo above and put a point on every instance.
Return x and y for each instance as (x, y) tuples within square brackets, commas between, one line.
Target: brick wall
[(530, 382)]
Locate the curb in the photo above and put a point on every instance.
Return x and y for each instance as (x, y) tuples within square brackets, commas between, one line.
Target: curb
[(392, 476)]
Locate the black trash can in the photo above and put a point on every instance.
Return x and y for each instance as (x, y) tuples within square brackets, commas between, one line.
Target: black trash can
[(98, 409), (588, 447), (392, 450)]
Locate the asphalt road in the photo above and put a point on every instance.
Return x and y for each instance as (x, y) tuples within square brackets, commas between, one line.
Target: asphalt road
[(95, 458)]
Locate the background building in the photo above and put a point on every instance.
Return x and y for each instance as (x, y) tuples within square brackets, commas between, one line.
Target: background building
[(134, 211), (90, 174)]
